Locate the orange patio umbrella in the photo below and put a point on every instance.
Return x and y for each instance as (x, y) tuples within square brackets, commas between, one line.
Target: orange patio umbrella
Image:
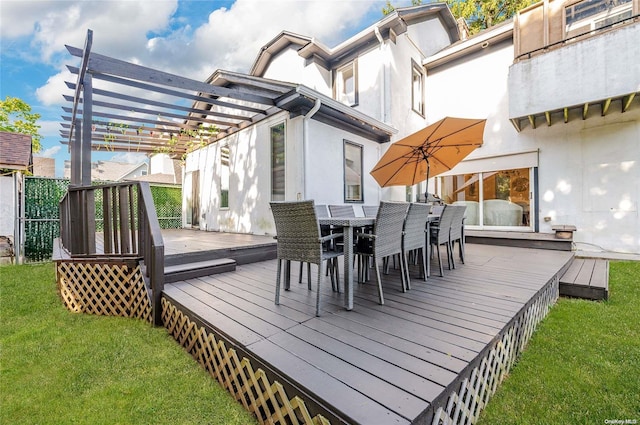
[(431, 151)]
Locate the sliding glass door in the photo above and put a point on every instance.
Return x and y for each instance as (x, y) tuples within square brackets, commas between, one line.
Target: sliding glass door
[(494, 199)]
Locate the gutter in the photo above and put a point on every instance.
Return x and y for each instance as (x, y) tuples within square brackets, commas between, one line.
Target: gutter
[(383, 111), (305, 141)]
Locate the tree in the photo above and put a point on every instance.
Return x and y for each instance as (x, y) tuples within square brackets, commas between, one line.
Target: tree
[(16, 117), (483, 14), (478, 14)]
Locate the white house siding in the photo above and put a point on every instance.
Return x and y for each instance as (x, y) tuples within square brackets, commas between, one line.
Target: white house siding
[(429, 35), (289, 66), (326, 165), (589, 170), (250, 179)]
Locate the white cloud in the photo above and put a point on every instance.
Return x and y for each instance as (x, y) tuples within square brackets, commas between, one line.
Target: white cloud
[(49, 128), (51, 152), (230, 39)]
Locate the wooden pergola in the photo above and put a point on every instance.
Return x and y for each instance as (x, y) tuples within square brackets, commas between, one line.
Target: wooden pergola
[(124, 107)]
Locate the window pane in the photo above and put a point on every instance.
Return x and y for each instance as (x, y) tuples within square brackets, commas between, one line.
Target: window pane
[(224, 176), (346, 85), (504, 196), (588, 15), (417, 94), (277, 163), (352, 172)]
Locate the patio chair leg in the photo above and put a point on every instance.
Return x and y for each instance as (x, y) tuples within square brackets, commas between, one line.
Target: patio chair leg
[(337, 273), (440, 262), (380, 296), (452, 264), (318, 289), (278, 275), (406, 282)]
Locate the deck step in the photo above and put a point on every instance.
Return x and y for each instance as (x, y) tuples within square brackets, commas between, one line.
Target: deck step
[(186, 271), (518, 239), (586, 278)]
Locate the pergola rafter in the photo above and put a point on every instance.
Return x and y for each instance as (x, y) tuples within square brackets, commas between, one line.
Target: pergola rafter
[(120, 106)]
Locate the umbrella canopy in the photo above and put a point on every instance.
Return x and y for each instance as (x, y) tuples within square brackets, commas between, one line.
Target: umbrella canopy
[(431, 151)]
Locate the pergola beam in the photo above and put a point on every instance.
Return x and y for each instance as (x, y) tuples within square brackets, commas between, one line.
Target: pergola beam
[(99, 64)]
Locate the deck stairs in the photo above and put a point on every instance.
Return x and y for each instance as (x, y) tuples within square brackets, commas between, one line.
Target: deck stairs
[(209, 262), (586, 278)]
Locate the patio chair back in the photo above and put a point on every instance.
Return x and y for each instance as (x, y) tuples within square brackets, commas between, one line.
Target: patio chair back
[(370, 210), (388, 228), (442, 229), (297, 231), (342, 211), (457, 221), (321, 211), (414, 226)]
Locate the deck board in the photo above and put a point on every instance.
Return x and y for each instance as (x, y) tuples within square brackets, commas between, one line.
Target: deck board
[(374, 364)]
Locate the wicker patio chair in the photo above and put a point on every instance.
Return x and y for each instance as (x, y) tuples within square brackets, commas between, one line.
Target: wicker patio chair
[(342, 211), (384, 242), (413, 238), (370, 210), (440, 235), (299, 239), (457, 231), (321, 212)]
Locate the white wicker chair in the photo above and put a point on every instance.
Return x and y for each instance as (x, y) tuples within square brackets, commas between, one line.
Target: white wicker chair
[(384, 242), (299, 239), (413, 238)]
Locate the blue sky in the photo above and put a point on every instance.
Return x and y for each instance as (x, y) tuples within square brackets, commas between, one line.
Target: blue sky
[(191, 38)]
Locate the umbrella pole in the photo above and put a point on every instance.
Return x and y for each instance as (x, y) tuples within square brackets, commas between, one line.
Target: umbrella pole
[(426, 182)]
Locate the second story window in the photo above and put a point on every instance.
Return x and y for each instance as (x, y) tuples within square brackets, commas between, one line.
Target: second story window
[(224, 176), (417, 88), (588, 15), (346, 85)]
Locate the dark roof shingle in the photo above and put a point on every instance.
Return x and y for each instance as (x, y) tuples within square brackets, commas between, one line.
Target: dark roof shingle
[(15, 150)]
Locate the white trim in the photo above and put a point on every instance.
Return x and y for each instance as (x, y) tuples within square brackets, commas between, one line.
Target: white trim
[(508, 161)]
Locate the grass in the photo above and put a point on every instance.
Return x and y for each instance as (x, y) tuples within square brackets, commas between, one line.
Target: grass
[(582, 365), (58, 367)]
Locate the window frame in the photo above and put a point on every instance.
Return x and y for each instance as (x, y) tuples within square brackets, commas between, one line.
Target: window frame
[(417, 69), (360, 148), (338, 82), (276, 197), (224, 193)]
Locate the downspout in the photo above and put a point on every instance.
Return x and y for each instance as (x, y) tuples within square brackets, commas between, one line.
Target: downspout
[(305, 142), (383, 115)]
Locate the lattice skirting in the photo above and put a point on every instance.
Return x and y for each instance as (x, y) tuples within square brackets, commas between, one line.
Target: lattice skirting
[(108, 289), (267, 400), (463, 406)]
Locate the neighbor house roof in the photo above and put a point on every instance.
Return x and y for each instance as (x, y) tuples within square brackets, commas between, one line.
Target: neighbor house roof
[(390, 26), (109, 170), (15, 151)]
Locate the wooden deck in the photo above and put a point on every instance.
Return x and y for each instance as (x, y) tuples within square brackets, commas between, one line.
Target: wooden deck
[(403, 362)]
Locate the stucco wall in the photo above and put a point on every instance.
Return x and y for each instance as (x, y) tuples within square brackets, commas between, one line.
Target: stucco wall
[(589, 170), (287, 65), (603, 66)]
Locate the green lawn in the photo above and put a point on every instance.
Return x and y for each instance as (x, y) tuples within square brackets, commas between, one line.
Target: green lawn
[(58, 367), (582, 365)]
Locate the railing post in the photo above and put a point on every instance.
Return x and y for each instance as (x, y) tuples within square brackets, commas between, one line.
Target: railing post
[(157, 283)]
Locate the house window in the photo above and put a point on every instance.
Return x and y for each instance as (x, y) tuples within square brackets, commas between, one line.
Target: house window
[(417, 88), (588, 15), (224, 176), (352, 172), (346, 85), (277, 162)]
